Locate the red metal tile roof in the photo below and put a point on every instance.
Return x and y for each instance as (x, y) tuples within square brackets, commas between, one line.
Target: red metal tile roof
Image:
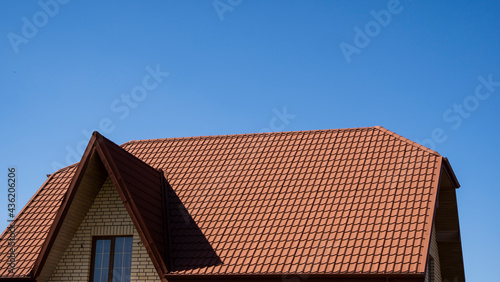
[(140, 187), (33, 223), (347, 201)]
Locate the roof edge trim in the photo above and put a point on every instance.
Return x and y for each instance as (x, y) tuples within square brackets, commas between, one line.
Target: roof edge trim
[(63, 209), (281, 275), (97, 146), (430, 220), (450, 173), (130, 205)]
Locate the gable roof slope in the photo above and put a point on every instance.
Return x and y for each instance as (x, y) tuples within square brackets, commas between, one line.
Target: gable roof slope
[(328, 201), (325, 202), (140, 187)]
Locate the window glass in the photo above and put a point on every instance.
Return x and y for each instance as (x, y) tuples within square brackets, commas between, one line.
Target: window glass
[(112, 258), (101, 260), (122, 259)]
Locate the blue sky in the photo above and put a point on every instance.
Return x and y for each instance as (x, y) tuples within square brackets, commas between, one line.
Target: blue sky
[(428, 70)]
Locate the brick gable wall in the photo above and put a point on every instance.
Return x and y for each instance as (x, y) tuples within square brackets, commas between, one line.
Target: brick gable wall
[(106, 217)]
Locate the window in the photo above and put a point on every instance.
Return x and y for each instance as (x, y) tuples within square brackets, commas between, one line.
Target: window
[(111, 259)]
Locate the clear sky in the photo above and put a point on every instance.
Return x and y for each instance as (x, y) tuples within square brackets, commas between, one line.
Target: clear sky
[(428, 70)]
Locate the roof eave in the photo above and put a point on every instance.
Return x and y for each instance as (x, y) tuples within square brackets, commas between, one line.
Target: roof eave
[(386, 276), (17, 279)]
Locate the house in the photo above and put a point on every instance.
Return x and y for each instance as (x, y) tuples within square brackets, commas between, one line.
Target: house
[(361, 204)]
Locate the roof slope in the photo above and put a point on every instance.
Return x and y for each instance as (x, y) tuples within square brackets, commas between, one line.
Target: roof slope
[(328, 201), (140, 187), (32, 224), (347, 201)]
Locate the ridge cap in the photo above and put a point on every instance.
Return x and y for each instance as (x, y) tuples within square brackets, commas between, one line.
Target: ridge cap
[(410, 142), (246, 134)]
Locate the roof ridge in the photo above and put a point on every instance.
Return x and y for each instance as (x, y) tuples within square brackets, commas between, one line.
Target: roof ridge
[(404, 139), (244, 134), (127, 152), (64, 169)]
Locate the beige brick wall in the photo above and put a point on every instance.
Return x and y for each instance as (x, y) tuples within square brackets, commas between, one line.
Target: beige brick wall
[(435, 268), (106, 216)]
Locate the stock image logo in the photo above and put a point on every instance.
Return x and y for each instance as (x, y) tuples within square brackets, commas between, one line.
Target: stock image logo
[(11, 208)]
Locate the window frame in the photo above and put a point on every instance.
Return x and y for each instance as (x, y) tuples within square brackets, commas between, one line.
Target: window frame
[(111, 254)]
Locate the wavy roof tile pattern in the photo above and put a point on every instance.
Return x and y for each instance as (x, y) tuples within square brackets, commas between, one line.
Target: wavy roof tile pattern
[(346, 201), (328, 201), (32, 225)]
